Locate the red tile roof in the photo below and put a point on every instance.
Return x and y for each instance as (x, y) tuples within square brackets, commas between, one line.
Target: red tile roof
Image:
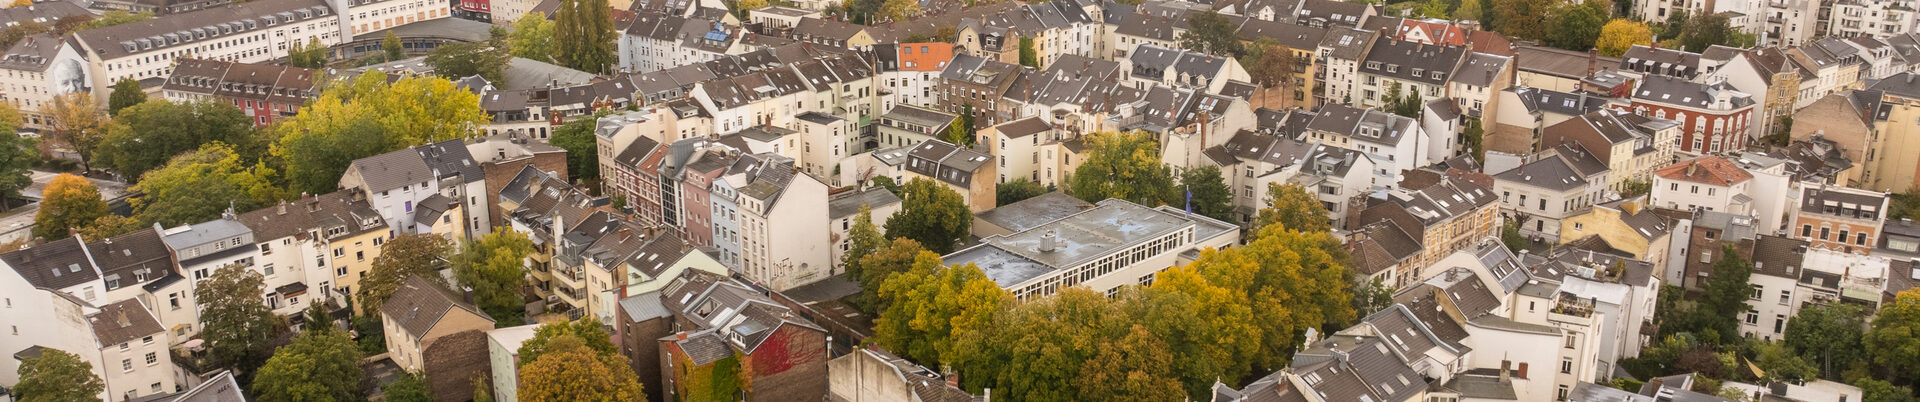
[(1713, 170)]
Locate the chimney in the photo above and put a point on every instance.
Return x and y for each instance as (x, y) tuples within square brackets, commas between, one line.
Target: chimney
[(122, 319), (281, 209), (1692, 166), (953, 378), (682, 335), (1630, 207), (1505, 365), (1593, 61)]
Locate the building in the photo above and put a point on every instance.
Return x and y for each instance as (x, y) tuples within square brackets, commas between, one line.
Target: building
[(37, 68), (1395, 143), (1090, 248), (962, 170), (973, 82), (907, 125), (1707, 183), (1444, 212), (1713, 116), (1561, 183), (330, 240), (1840, 218), (502, 156), (1869, 19), (266, 93), (503, 349), (1631, 145), (135, 265), (717, 321), (431, 332), (421, 189), (1416, 69), (133, 346), (873, 374), (767, 222), (844, 208), (1150, 65)]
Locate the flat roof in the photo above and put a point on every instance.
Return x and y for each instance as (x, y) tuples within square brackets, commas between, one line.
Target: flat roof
[(1110, 226)]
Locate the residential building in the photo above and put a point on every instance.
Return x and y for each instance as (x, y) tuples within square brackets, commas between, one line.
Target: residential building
[(715, 320), (1520, 126), (133, 347), (845, 207), (434, 333), (907, 125), (1445, 212), (410, 184), (1869, 18), (208, 246), (266, 93), (913, 73), (1631, 145), (973, 82), (135, 265), (965, 171), (1713, 116), (874, 374), (1416, 69), (501, 157), (1840, 218), (40, 316), (1707, 183), (1079, 250), (1395, 143), (38, 68), (503, 353), (1149, 65), (1562, 182)]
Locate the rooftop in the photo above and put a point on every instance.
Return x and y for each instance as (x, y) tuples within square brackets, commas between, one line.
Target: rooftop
[(1110, 226)]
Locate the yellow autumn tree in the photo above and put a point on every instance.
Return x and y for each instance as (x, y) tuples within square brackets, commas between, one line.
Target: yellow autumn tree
[(1621, 34), (369, 116), (570, 371)]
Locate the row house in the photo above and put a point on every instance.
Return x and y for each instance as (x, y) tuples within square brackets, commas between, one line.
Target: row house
[(763, 197), (630, 163), (137, 266), (686, 182), (123, 342), (979, 84), (655, 41), (502, 156), (845, 206), (1525, 113), (340, 232), (965, 171), (1382, 252), (1840, 218), (1395, 143), (1185, 121), (1418, 70), (554, 215), (1658, 61), (1713, 116), (30, 76), (1150, 65), (912, 73), (1134, 29), (1773, 76), (251, 32), (208, 246), (1631, 145), (266, 93), (1869, 18), (1707, 183), (1056, 28), (433, 332), (1558, 183), (1253, 161), (1835, 71), (434, 188), (1304, 44), (1447, 212), (1339, 56), (1865, 125), (703, 320)]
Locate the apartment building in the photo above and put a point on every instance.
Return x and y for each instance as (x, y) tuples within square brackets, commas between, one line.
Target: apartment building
[(1869, 18), (264, 92), (132, 350), (1446, 212), (1395, 143), (767, 223), (420, 189), (1713, 116), (1079, 250), (1837, 218), (33, 73), (1561, 182), (965, 171)]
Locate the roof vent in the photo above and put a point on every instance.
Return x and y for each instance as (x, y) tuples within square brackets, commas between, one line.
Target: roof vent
[(1047, 242)]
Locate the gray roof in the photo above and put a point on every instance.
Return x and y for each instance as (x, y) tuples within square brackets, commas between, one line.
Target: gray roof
[(1412, 61), (1552, 173), (849, 203), (124, 321), (1590, 392), (449, 158), (1029, 213), (220, 388), (522, 73), (1678, 91), (175, 31), (205, 232), (418, 305), (1483, 387), (393, 170), (643, 307), (56, 264), (1110, 226), (1480, 69), (1546, 100)]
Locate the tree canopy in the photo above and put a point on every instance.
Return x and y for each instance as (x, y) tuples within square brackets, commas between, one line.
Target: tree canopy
[(366, 117), (77, 123), (1578, 27), (587, 330), (1125, 166), (198, 186), (584, 35), (69, 202), (494, 268), (1895, 337), (1621, 34), (1017, 190), (1828, 335), (126, 93), (931, 214), (1294, 208), (404, 256), (57, 376), (532, 37), (17, 155), (583, 152), (312, 55), (1207, 193), (1211, 33), (319, 365), (234, 321), (460, 60), (571, 371), (145, 136)]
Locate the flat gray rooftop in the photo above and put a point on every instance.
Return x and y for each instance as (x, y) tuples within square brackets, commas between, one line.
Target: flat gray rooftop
[(1032, 212), (1110, 226)]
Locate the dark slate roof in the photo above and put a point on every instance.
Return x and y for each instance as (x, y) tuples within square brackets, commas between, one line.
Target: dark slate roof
[(1552, 173), (419, 304), (393, 169), (449, 158), (221, 388), (48, 10), (124, 321), (1412, 61), (111, 42), (126, 255), (1545, 100), (1024, 127), (1480, 69), (56, 264), (1678, 91), (1815, 199)]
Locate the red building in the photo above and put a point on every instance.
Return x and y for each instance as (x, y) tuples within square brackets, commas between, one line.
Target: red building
[(636, 178), (266, 93), (1713, 116), (730, 342)]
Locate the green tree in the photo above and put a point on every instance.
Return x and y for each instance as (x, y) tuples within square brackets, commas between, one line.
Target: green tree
[(1725, 297), (1828, 335), (532, 37), (409, 387), (1294, 208), (1704, 31), (1206, 193), (1371, 295), (1522, 19), (460, 60), (1473, 10), (366, 117), (237, 326), (1029, 56), (1876, 390), (1578, 27), (570, 371), (957, 132), (588, 330), (1781, 364), (126, 93), (17, 155), (931, 306), (584, 35), (57, 376), (886, 183), (882, 263), (1511, 237), (111, 225), (1475, 136), (1017, 190), (392, 47), (1895, 336), (1125, 166), (899, 10), (1138, 366), (68, 203), (583, 155), (1205, 325), (1211, 33), (317, 366), (1622, 34), (1782, 134), (932, 214), (145, 136), (495, 269), (863, 239), (77, 123), (1291, 280), (199, 185), (117, 17), (404, 256), (1063, 347)]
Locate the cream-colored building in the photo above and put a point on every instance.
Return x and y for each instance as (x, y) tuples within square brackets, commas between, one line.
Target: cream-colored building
[(421, 312)]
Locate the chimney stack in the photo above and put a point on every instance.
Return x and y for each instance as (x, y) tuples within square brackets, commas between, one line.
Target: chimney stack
[(1505, 372)]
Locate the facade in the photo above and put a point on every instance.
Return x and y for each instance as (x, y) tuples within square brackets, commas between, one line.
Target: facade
[(1561, 183), (1708, 183), (844, 207), (1713, 117), (421, 313), (963, 170), (37, 68), (266, 93), (1082, 250), (1631, 145), (1395, 143), (1852, 217), (782, 355), (415, 187), (766, 222), (1444, 212), (133, 347)]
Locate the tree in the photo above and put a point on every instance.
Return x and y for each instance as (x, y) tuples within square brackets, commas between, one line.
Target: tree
[(1290, 280), (366, 117), (145, 136), (584, 35), (1138, 366), (77, 123), (958, 133), (1029, 56), (742, 8), (583, 156), (1828, 335), (1475, 136), (1207, 193), (460, 60), (409, 387), (20, 3), (494, 268), (1782, 134), (117, 17), (1522, 19), (863, 238), (1205, 324), (198, 186), (1125, 166), (1272, 67), (57, 376), (13, 34), (1371, 295), (237, 326), (1063, 347), (587, 330), (1578, 27), (1704, 31), (932, 214), (1211, 33), (69, 202), (1895, 336), (110, 225), (1017, 190), (126, 93), (1875, 390), (570, 371), (17, 155), (883, 263), (930, 306), (899, 10), (1294, 208), (1510, 236), (1781, 364), (1472, 10), (1725, 296), (407, 255), (70, 24), (532, 37), (1621, 34), (317, 366), (392, 47)]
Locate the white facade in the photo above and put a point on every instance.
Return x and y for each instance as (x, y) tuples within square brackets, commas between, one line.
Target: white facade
[(1875, 18)]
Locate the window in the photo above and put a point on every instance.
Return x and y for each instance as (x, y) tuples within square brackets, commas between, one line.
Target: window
[(1572, 339), (126, 364), (1823, 233), (152, 359), (1566, 366), (1706, 256)]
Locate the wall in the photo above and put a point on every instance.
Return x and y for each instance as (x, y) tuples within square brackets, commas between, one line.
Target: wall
[(453, 361)]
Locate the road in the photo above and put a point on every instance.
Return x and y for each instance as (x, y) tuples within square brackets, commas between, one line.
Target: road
[(17, 223)]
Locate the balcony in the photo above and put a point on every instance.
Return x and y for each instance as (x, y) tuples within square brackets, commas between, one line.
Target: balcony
[(1573, 306)]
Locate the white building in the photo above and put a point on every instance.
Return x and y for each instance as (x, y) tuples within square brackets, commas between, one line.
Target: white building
[(503, 356), (844, 208), (133, 347), (1562, 182), (35, 70), (1710, 183), (1085, 249), (1396, 144), (415, 187), (769, 216), (1870, 18)]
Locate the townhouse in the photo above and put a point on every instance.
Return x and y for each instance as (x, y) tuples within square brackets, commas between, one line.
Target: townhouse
[(1519, 127), (1837, 218), (1396, 144), (654, 41), (560, 220), (763, 198), (1252, 161), (717, 321), (1713, 116), (1446, 212), (913, 72), (433, 333), (1631, 145), (1560, 182), (433, 188), (1868, 18), (1419, 71), (266, 93), (977, 84), (31, 77), (1150, 65), (970, 173), (845, 206)]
